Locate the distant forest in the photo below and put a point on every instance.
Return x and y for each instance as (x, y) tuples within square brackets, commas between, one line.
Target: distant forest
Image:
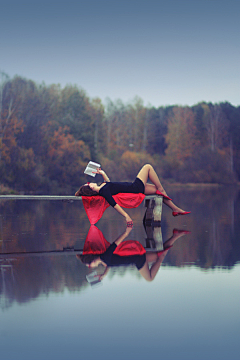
[(49, 133)]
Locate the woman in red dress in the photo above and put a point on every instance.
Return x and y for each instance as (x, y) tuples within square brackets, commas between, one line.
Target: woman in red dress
[(107, 189)]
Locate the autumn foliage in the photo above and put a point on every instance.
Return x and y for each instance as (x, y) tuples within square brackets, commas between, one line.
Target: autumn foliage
[(48, 134)]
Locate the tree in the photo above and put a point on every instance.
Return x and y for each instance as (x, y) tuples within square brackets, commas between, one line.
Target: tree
[(140, 128), (180, 138), (132, 162), (216, 125), (74, 112), (156, 130), (8, 122), (233, 115), (66, 160), (96, 110), (33, 106)]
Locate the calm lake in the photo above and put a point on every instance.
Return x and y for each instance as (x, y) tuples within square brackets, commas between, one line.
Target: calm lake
[(49, 309)]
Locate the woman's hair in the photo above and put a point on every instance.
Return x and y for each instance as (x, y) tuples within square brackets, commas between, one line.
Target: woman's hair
[(87, 259), (85, 190)]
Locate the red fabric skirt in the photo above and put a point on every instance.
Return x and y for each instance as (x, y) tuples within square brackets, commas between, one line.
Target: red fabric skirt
[(96, 244), (96, 205)]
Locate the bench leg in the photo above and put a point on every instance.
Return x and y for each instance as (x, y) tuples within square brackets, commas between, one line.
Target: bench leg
[(153, 212), (154, 240), (157, 210)]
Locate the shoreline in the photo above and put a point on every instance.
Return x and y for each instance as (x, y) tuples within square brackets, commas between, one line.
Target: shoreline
[(199, 185), (175, 185)]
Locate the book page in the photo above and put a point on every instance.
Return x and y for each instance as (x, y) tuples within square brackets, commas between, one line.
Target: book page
[(91, 168)]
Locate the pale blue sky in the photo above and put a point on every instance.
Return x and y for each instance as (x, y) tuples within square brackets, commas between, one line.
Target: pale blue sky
[(166, 52)]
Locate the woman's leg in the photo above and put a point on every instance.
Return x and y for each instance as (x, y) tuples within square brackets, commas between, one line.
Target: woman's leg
[(173, 206), (157, 258), (149, 274), (148, 172)]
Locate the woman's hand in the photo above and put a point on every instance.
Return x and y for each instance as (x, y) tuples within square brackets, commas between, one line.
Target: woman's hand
[(129, 221), (101, 172), (124, 214)]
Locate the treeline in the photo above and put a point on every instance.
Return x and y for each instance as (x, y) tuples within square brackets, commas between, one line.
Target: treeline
[(48, 134)]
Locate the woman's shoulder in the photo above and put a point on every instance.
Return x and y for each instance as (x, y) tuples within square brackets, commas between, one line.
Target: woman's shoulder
[(104, 186)]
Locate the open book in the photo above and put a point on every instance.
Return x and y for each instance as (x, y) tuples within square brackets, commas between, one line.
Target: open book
[(91, 167), (93, 279)]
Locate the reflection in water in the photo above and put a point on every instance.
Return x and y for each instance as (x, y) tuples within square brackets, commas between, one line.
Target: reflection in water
[(25, 276), (27, 226), (97, 251), (128, 317)]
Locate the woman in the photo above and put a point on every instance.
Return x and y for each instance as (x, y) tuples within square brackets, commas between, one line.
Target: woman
[(111, 257), (107, 189)]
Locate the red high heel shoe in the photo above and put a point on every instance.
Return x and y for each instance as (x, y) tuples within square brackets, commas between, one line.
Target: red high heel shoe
[(176, 213), (163, 195), (185, 232)]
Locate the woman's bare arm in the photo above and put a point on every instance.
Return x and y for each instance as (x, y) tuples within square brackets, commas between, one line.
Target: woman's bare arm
[(123, 236), (124, 214), (104, 175)]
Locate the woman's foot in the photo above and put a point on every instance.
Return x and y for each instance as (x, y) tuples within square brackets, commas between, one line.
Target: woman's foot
[(176, 235), (177, 213)]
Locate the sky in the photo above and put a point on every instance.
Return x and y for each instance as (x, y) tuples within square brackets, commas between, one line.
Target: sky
[(165, 52)]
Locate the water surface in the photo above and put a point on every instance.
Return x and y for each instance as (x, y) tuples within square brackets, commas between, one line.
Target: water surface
[(190, 310)]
